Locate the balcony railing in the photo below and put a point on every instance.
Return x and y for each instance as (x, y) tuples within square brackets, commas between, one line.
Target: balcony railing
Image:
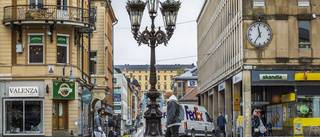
[(48, 13)]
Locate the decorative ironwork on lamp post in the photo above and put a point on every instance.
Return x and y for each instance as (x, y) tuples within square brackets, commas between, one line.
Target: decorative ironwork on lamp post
[(153, 38)]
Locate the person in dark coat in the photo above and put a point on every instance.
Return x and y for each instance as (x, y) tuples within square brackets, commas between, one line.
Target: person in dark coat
[(221, 122), (256, 117)]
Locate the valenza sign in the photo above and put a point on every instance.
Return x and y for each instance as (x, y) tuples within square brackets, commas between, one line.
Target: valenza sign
[(23, 92)]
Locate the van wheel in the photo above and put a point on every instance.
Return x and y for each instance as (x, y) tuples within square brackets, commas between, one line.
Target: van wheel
[(213, 134), (193, 133)]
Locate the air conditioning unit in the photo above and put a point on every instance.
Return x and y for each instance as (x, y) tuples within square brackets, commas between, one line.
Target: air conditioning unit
[(19, 48)]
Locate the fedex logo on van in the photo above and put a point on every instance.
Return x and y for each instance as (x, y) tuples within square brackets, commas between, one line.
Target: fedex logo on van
[(193, 115)]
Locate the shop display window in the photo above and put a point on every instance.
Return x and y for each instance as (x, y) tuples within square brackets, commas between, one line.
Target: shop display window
[(308, 107), (23, 117)]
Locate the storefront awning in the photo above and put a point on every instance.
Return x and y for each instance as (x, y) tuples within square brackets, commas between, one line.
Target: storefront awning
[(308, 91)]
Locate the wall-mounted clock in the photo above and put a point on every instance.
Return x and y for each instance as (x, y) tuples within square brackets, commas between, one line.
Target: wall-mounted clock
[(259, 34)]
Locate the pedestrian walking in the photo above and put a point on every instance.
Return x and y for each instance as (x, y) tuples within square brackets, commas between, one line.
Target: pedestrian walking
[(173, 121), (98, 124), (256, 117), (269, 129), (221, 122)]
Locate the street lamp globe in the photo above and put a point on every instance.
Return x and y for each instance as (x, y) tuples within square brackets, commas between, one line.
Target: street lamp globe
[(153, 7), (169, 10), (135, 10)]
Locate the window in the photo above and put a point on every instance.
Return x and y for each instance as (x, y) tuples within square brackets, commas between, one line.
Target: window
[(93, 63), (158, 77), (208, 117), (179, 84), (171, 77), (146, 77), (23, 117), (132, 71), (158, 71), (139, 71), (36, 51), (62, 49), (171, 71), (140, 77), (165, 85), (304, 34), (134, 77), (146, 71), (164, 71), (35, 4), (311, 103), (158, 85), (146, 85), (127, 71), (165, 77)]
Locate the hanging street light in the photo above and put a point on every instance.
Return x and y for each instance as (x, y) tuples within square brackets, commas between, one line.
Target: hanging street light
[(153, 38)]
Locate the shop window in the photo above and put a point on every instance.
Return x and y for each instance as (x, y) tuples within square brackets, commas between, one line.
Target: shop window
[(35, 4), (304, 34), (308, 107), (93, 62), (62, 49), (36, 51), (23, 117)]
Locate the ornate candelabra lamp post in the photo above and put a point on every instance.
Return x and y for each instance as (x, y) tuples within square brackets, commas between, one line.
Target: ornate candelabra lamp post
[(153, 38)]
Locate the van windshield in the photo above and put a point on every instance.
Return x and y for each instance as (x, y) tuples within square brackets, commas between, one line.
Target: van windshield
[(208, 118)]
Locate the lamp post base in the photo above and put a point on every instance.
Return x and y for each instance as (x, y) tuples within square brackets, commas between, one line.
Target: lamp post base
[(153, 116)]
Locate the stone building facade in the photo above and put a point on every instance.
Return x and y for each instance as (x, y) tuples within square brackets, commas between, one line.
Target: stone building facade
[(44, 66), (252, 53)]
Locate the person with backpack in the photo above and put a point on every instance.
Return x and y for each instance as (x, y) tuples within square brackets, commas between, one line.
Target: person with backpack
[(221, 122), (258, 127), (173, 121)]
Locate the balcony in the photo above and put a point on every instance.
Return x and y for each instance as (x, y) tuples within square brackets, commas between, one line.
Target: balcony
[(47, 15)]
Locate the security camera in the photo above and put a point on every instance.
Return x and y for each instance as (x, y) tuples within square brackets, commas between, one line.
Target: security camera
[(314, 16)]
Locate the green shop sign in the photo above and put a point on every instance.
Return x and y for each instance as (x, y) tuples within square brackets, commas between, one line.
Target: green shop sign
[(61, 39), (304, 109), (36, 39), (117, 107), (116, 92), (273, 77), (63, 90)]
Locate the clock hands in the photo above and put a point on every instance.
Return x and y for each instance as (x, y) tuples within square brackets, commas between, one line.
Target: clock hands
[(259, 36)]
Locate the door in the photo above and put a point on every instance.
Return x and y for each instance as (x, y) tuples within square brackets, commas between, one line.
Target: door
[(63, 9), (60, 115)]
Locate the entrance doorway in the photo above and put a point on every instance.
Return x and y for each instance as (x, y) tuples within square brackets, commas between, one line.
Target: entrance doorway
[(60, 115)]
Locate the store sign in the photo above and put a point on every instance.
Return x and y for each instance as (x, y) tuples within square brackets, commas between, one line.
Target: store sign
[(117, 111), (273, 76), (23, 92), (61, 39), (306, 76), (236, 102), (116, 92), (63, 90), (304, 109), (237, 78), (117, 107), (36, 39), (192, 83), (117, 95), (259, 3), (116, 99), (288, 97), (298, 130), (303, 3), (222, 86), (86, 97), (116, 103)]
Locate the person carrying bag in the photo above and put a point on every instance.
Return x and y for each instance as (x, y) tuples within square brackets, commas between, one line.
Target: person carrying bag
[(258, 127)]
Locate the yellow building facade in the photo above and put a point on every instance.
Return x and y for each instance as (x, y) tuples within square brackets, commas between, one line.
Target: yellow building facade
[(44, 66)]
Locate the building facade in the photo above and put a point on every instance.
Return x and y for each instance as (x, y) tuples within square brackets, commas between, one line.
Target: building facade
[(260, 54), (185, 86), (45, 67), (165, 74)]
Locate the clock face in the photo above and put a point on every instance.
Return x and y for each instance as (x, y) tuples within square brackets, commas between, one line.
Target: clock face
[(259, 34)]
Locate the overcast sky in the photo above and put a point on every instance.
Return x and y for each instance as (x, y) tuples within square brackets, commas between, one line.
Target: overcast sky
[(181, 49)]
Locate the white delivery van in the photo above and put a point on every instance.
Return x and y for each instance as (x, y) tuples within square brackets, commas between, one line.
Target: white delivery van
[(196, 121)]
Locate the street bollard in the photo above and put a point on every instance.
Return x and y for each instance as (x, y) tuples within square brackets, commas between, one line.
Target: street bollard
[(71, 133), (206, 131)]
